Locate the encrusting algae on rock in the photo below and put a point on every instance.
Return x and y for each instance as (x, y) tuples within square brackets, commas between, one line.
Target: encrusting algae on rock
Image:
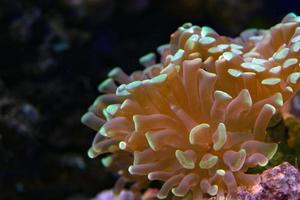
[(197, 120)]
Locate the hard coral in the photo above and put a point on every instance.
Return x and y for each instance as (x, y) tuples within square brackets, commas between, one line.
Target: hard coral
[(197, 121)]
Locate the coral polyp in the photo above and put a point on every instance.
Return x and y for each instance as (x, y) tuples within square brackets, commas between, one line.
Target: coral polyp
[(263, 61), (197, 120)]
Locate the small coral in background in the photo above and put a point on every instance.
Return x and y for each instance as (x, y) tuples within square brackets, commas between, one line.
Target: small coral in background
[(197, 120)]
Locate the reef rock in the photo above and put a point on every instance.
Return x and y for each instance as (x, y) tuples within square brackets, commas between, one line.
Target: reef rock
[(281, 182), (109, 195)]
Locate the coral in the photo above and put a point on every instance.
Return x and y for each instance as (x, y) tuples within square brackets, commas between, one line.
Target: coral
[(264, 62), (279, 182), (197, 120), (185, 145), (119, 161)]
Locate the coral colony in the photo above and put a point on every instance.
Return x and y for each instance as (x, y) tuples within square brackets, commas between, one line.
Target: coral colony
[(196, 121)]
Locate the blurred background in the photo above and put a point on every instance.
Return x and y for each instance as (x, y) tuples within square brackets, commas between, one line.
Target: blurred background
[(53, 55)]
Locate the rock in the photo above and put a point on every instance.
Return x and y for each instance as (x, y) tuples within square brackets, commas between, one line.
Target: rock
[(279, 183), (108, 195)]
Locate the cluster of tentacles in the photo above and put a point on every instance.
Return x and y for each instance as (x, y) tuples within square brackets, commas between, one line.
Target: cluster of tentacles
[(197, 120)]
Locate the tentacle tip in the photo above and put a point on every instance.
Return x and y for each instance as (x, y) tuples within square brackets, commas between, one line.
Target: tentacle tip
[(130, 169), (91, 153), (102, 131)]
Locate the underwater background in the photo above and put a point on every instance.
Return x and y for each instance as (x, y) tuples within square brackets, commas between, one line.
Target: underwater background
[(54, 53)]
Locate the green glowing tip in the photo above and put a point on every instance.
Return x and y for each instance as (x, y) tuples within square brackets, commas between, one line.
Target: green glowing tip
[(208, 161), (187, 25), (263, 163), (112, 109), (275, 70), (292, 14), (206, 30), (115, 71), (279, 99), (176, 193), (122, 145), (85, 118), (223, 46), (234, 72), (222, 95), (207, 40), (289, 89), (150, 57), (194, 38), (213, 190), (228, 55), (91, 153), (236, 46), (122, 91), (271, 81), (184, 160), (290, 62), (106, 114), (215, 50), (200, 131), (130, 169), (281, 54), (102, 131), (106, 162), (191, 42), (253, 66), (196, 29), (236, 51), (178, 55), (136, 121), (249, 74), (270, 108), (145, 82), (296, 47), (266, 149), (125, 103), (133, 85), (259, 61), (221, 172), (159, 79), (272, 150), (293, 78), (220, 137), (105, 84), (150, 141)]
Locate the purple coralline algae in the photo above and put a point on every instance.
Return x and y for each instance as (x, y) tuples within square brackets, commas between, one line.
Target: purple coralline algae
[(109, 195), (279, 183)]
